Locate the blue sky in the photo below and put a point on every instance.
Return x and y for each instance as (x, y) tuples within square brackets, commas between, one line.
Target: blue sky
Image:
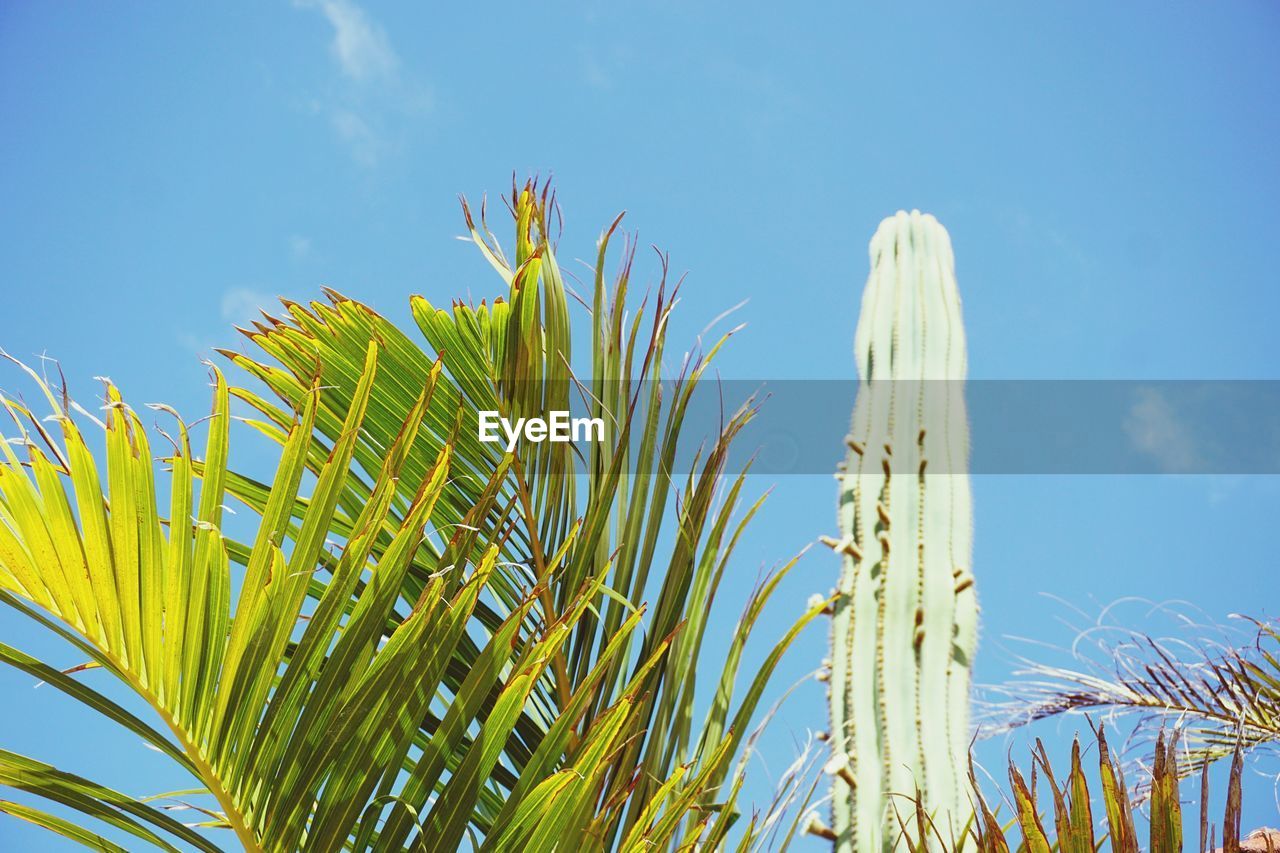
[(1107, 173)]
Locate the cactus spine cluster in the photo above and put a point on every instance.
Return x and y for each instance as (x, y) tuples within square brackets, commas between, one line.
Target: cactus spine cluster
[(904, 626)]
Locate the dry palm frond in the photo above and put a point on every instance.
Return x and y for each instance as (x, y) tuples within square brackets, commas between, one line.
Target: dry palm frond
[(1218, 695), (1068, 823)]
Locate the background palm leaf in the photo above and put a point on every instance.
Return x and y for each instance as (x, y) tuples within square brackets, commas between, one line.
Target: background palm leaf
[(1218, 697), (1067, 824)]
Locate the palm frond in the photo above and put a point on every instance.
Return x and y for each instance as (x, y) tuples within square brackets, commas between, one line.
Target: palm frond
[(1067, 822), (607, 510), (1217, 696), (423, 636)]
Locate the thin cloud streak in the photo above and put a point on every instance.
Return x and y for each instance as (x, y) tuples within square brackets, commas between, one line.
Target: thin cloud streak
[(242, 304), (367, 115), (1156, 430), (365, 145), (360, 46)]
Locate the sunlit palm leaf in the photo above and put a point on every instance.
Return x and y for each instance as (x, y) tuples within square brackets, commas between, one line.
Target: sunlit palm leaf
[(514, 356), (291, 768), (424, 637)]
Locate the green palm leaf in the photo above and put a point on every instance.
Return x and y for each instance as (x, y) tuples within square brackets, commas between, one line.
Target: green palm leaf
[(425, 642)]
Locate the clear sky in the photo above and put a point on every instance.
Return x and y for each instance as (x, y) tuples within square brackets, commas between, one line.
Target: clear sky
[(1108, 174)]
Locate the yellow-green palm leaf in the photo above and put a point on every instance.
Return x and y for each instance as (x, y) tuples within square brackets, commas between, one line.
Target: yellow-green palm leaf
[(421, 641)]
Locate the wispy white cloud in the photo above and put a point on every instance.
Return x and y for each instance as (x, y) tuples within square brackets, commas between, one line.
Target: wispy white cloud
[(603, 64), (242, 304), (367, 113), (594, 72), (238, 306), (365, 145), (359, 45), (299, 246), (1155, 429)]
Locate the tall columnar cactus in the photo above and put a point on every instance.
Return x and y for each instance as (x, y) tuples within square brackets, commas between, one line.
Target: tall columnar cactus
[(905, 622)]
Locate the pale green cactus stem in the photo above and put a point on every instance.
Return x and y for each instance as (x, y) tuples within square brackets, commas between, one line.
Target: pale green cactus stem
[(904, 627)]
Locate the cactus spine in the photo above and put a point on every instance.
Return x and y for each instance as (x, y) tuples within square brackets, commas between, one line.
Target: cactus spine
[(904, 627)]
